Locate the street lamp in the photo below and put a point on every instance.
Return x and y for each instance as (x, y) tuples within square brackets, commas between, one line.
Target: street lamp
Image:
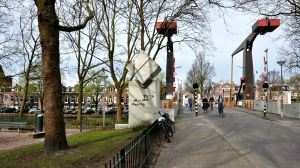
[(231, 82), (104, 77), (281, 93)]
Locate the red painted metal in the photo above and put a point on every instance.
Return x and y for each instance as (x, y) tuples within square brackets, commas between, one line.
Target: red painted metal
[(274, 22), (165, 25), (173, 89), (166, 28), (263, 26), (262, 23)]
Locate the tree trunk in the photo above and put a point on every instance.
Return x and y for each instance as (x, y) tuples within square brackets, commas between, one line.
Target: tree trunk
[(80, 99), (55, 136), (119, 107), (22, 108), (97, 102)]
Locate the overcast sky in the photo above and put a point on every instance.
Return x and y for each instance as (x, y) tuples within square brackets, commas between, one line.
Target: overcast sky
[(226, 40)]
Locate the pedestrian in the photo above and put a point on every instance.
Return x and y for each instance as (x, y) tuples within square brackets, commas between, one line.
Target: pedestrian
[(220, 102), (205, 104), (190, 100), (211, 100)]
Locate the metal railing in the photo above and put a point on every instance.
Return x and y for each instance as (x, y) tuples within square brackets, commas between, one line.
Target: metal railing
[(138, 151)]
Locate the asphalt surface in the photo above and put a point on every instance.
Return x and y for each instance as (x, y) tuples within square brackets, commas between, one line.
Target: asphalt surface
[(243, 138)]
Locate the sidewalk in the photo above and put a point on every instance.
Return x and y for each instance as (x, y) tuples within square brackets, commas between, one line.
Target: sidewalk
[(12, 139), (287, 121), (196, 144)]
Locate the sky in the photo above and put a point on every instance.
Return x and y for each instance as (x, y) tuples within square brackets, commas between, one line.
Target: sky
[(226, 39)]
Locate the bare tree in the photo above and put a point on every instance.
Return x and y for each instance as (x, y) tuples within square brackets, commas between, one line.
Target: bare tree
[(7, 49), (201, 72), (29, 50), (135, 20), (274, 77), (95, 88), (295, 82), (49, 27), (85, 49)]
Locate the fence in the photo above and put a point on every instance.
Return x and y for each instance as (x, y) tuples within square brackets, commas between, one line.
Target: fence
[(289, 110), (88, 121), (30, 120), (138, 152)]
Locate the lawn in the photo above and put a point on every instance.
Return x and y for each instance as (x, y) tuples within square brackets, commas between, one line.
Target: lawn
[(87, 149)]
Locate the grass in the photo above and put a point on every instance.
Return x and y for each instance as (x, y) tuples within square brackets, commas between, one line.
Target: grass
[(91, 148)]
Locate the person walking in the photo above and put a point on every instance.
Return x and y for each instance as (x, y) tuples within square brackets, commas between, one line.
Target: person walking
[(211, 100), (190, 101), (205, 104), (220, 102)]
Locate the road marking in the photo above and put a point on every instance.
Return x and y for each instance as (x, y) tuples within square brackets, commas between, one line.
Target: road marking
[(200, 124)]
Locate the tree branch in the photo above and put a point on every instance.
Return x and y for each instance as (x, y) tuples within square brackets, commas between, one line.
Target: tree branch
[(80, 26)]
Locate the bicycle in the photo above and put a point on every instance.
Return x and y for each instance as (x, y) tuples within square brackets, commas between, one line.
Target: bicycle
[(166, 131), (169, 122), (166, 124)]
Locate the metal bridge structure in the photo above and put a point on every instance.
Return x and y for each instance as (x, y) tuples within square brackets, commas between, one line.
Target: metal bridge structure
[(261, 27), (168, 29)]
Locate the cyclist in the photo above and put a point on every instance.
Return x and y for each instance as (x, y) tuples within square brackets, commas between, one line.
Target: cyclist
[(211, 100), (220, 102)]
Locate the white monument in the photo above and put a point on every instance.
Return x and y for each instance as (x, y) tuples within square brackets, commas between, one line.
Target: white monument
[(144, 69), (143, 103), (144, 92)]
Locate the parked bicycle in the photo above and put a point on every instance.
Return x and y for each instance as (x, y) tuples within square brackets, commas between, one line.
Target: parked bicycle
[(168, 120), (166, 124)]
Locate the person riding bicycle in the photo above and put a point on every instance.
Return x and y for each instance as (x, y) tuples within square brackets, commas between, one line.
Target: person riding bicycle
[(211, 100), (220, 102)]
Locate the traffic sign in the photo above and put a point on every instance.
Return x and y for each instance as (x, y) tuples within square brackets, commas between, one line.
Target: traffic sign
[(195, 86), (265, 85)]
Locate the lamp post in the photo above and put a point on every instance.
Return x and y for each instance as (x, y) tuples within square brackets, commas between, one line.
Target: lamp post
[(266, 102), (104, 77), (177, 84), (231, 82), (281, 93)]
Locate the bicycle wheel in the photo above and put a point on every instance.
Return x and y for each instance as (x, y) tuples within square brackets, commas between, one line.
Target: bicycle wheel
[(172, 125), (169, 129), (166, 132)]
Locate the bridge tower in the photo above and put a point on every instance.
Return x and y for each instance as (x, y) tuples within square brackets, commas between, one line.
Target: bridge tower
[(168, 29), (261, 27)]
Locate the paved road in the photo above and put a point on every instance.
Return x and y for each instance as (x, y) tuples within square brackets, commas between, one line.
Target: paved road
[(238, 140)]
